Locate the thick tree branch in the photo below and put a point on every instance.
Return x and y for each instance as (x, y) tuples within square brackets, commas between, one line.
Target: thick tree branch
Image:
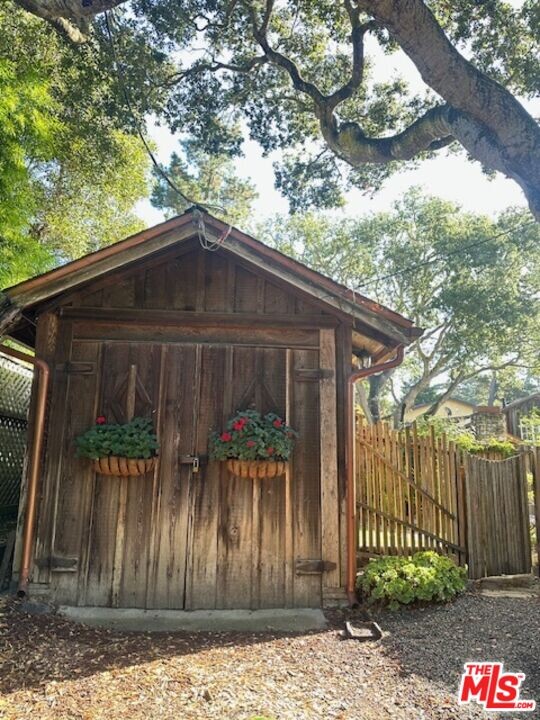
[(70, 17), (496, 129), (463, 377), (430, 132), (358, 31), (348, 141), (446, 394), (278, 58)]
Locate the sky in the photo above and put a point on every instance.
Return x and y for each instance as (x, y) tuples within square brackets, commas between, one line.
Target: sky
[(451, 177)]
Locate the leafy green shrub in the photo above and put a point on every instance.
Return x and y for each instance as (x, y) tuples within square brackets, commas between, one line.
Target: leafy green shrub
[(463, 438), (250, 436), (503, 447), (135, 439), (426, 576)]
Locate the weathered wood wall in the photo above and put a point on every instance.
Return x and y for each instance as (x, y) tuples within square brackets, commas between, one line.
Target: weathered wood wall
[(188, 338)]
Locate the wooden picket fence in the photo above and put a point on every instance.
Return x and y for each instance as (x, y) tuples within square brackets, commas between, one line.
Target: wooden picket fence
[(409, 493), (415, 493)]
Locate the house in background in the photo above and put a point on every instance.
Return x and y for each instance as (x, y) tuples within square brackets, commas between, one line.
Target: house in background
[(519, 409), (453, 408)]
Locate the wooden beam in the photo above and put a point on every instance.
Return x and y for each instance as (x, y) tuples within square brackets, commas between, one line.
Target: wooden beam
[(330, 544), (187, 335), (47, 337), (193, 318)]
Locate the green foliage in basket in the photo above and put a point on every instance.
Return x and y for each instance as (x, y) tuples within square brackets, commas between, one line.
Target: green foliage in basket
[(135, 439), (251, 436), (426, 577)]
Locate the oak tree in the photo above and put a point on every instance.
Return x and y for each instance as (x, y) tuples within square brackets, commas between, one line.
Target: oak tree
[(473, 283), (302, 76), (71, 166)]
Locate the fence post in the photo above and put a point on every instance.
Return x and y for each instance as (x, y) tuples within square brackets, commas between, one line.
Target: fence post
[(462, 506), (535, 470)]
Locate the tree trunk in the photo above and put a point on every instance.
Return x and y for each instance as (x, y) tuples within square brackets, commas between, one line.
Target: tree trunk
[(362, 400), (493, 389), (488, 120)]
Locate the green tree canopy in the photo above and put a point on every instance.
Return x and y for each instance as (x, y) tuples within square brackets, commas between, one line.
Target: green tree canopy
[(69, 174), (204, 179), (308, 78), (471, 282)]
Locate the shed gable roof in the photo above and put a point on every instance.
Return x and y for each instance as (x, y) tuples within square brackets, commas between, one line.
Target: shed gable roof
[(368, 313)]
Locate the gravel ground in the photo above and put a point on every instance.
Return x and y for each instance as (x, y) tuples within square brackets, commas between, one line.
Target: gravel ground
[(51, 668)]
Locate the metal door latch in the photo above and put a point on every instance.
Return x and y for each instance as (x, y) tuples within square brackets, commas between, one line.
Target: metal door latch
[(192, 460)]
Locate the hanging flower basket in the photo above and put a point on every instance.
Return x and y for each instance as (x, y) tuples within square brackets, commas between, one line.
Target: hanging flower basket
[(122, 466), (256, 468), (253, 445), (120, 450)]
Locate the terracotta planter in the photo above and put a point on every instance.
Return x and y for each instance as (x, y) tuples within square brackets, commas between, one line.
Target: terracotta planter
[(256, 468), (123, 467)]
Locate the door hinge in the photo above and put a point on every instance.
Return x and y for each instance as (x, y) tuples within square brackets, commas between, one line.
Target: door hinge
[(312, 374), (76, 368), (314, 567), (58, 563)]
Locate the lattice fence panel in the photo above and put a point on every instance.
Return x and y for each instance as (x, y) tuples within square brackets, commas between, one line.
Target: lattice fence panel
[(15, 389)]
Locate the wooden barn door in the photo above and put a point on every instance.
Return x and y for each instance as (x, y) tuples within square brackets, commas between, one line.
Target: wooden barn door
[(184, 538), (245, 536)]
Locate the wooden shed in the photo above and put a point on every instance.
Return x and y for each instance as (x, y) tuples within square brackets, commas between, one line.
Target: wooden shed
[(185, 323)]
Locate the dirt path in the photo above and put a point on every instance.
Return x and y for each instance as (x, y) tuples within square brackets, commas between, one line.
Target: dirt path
[(51, 668)]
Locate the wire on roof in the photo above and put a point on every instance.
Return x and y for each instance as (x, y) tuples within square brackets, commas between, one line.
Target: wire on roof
[(205, 242)]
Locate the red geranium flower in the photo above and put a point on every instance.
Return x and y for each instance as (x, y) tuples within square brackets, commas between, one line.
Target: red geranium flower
[(101, 420), (277, 423), (270, 450), (239, 424), (251, 443), (225, 437)]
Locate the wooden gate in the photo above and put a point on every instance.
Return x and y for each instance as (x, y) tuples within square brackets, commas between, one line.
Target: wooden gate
[(497, 517), (409, 493)]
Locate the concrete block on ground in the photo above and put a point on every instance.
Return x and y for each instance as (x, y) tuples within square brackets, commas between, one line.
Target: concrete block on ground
[(138, 620)]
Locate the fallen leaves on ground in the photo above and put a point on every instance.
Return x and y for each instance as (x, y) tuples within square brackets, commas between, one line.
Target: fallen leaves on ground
[(52, 668)]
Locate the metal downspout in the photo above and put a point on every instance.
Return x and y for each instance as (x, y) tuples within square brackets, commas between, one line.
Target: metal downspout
[(34, 465), (351, 501)]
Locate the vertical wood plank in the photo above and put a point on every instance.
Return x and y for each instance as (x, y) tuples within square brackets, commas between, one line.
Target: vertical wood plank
[(208, 493), (521, 468), (328, 454), (48, 345), (305, 468), (289, 540), (76, 478), (118, 561), (535, 469), (107, 489)]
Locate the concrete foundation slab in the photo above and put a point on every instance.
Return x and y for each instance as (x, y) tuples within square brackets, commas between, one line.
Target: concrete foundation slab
[(136, 620)]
